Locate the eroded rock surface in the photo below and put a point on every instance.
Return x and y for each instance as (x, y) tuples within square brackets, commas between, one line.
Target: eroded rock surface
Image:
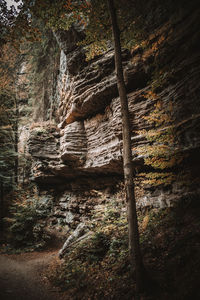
[(87, 152)]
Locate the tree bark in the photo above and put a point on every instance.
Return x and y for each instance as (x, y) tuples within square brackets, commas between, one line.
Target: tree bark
[(134, 246), (16, 140), (1, 204)]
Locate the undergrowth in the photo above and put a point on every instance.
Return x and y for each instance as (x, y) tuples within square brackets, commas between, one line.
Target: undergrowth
[(26, 225), (98, 267), (93, 268)]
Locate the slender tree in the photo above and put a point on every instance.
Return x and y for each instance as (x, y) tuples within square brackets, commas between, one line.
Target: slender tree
[(16, 137), (134, 245), (8, 124), (7, 149), (1, 203)]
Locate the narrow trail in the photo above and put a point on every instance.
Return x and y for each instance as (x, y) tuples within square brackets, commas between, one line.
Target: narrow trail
[(22, 278)]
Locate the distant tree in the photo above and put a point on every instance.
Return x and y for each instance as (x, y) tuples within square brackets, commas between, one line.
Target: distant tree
[(8, 122), (8, 153), (16, 25)]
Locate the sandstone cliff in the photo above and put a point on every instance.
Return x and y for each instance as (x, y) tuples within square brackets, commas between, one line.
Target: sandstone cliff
[(84, 151)]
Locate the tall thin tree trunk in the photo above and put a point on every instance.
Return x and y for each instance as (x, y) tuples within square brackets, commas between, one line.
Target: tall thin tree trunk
[(1, 204), (16, 140), (16, 151), (43, 103), (134, 246), (53, 85)]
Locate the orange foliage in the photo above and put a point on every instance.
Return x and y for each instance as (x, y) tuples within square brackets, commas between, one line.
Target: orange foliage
[(8, 60)]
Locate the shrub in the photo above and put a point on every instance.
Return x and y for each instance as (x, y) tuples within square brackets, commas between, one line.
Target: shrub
[(27, 223)]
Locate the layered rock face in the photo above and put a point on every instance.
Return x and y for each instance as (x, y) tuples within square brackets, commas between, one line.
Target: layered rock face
[(163, 86)]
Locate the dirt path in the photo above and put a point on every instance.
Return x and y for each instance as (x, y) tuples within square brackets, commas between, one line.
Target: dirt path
[(22, 278)]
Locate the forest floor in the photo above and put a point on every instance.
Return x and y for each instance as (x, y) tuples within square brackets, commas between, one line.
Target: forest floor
[(99, 268), (22, 276)]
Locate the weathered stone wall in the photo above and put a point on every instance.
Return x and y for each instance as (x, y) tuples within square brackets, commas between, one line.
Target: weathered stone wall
[(86, 153)]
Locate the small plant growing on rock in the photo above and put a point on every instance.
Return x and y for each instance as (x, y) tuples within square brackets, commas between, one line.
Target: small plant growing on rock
[(162, 153)]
